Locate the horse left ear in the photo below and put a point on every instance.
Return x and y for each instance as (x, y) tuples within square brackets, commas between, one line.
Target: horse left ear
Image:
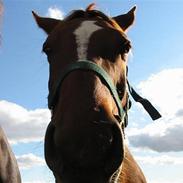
[(47, 24), (126, 20)]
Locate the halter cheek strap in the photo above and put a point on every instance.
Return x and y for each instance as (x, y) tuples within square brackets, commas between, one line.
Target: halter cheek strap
[(154, 114)]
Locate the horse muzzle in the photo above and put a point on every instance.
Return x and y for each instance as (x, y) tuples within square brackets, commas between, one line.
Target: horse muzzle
[(98, 147)]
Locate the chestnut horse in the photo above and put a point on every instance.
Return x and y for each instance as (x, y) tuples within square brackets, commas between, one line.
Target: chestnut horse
[(9, 172), (87, 55)]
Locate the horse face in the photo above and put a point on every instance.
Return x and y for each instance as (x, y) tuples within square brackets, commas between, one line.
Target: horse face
[(84, 141)]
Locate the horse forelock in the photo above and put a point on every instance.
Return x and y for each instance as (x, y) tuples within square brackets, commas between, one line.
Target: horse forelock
[(91, 7)]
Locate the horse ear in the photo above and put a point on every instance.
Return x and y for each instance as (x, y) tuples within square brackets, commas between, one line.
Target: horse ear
[(47, 24), (126, 20)]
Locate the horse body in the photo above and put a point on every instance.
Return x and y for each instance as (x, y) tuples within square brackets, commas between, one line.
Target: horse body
[(9, 172), (84, 141)]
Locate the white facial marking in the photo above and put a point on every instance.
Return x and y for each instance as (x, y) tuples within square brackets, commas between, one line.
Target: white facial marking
[(83, 34)]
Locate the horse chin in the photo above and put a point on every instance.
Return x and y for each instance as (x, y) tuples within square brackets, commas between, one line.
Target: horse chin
[(101, 156)]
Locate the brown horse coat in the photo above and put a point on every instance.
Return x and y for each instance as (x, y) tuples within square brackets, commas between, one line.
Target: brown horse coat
[(131, 172)]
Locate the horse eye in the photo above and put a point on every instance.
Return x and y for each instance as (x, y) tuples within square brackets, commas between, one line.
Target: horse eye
[(127, 48)]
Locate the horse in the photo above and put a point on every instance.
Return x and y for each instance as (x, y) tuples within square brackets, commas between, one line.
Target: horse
[(87, 53), (9, 171)]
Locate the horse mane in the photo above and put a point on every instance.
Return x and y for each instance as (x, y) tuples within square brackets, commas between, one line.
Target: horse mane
[(90, 12)]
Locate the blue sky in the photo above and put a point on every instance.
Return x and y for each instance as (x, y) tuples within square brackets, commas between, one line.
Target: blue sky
[(155, 70)]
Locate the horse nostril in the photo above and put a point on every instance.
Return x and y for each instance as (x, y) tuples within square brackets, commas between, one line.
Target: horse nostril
[(106, 139)]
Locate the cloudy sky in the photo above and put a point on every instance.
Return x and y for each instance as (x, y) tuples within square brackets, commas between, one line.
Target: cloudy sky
[(155, 70)]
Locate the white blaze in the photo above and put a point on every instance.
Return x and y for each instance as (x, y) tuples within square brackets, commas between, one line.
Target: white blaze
[(83, 34)]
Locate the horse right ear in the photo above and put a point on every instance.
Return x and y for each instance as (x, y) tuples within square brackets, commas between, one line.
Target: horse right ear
[(47, 24), (126, 20)]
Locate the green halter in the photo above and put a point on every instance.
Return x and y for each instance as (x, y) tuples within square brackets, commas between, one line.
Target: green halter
[(88, 65), (99, 71)]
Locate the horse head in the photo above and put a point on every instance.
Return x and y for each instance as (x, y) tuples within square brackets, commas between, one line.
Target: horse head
[(84, 141)]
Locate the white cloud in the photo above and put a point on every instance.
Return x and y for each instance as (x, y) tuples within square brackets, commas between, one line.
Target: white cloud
[(159, 181), (54, 12), (160, 160), (165, 89), (22, 125), (28, 161), (161, 136)]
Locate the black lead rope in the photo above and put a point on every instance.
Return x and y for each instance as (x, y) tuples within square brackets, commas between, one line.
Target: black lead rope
[(145, 103)]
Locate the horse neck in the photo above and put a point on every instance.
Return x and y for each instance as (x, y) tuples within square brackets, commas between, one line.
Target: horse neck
[(130, 172)]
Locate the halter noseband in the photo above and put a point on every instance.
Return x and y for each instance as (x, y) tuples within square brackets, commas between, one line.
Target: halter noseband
[(88, 65)]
